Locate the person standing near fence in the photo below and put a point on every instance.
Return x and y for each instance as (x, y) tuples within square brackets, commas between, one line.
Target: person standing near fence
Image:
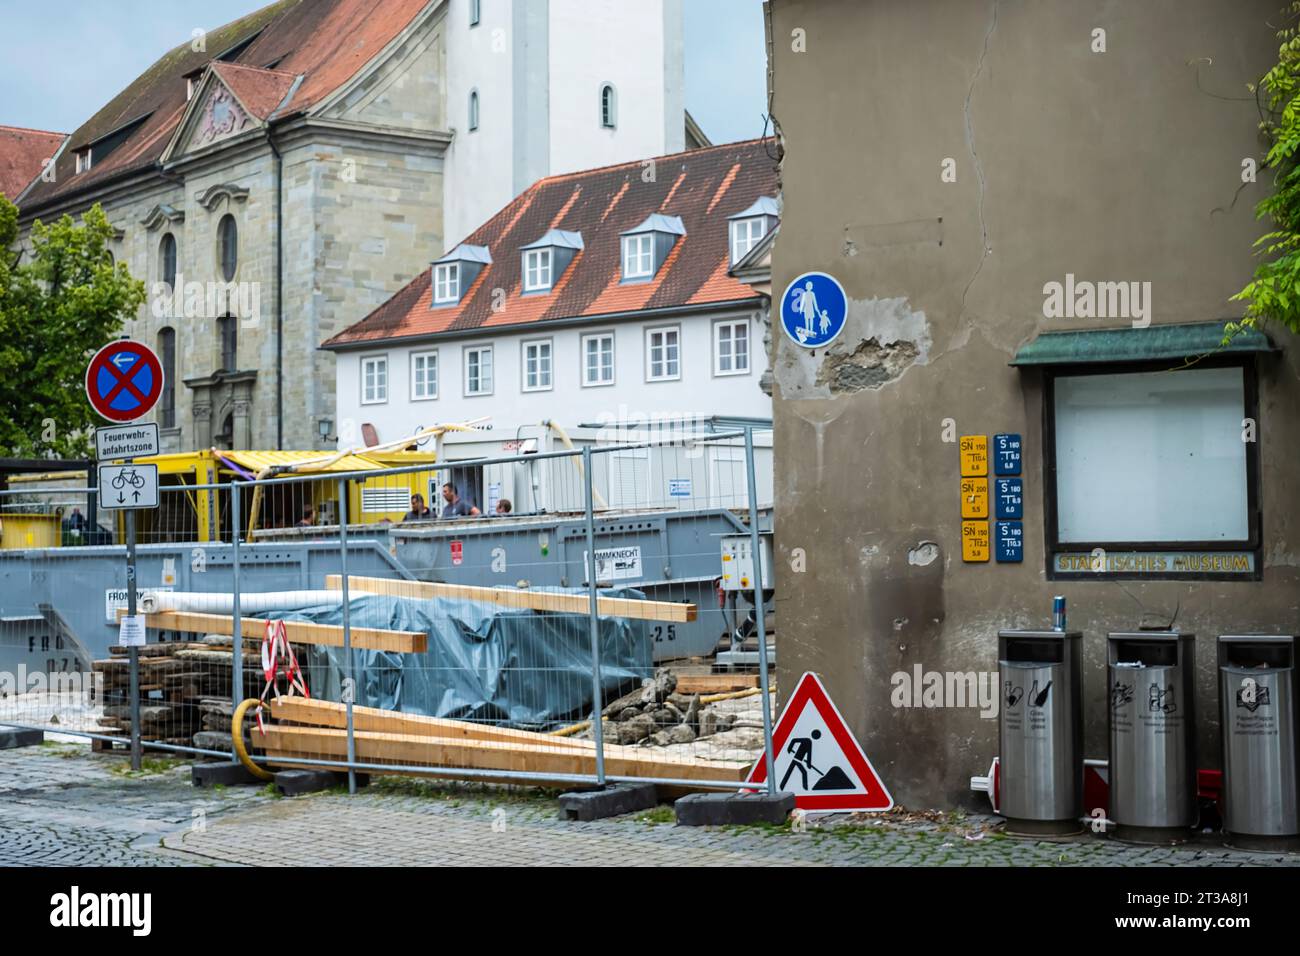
[(456, 505)]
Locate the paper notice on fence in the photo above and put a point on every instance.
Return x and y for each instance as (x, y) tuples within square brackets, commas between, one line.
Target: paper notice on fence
[(130, 631)]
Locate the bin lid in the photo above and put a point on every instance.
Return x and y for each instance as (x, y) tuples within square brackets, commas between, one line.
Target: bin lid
[(1046, 633), (1257, 638), (1150, 636)]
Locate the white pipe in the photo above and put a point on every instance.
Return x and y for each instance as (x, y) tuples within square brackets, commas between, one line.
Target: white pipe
[(223, 603)]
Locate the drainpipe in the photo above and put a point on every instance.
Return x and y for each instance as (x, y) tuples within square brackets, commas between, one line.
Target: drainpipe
[(279, 292)]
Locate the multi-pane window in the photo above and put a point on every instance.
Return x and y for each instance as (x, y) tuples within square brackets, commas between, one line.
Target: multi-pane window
[(424, 375), (537, 270), (745, 234), (598, 359), (228, 247), (537, 365), (374, 379), (638, 256), (663, 359), (478, 370), (731, 348), (446, 283)]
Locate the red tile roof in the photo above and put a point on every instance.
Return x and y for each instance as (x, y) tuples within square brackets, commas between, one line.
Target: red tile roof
[(327, 42), (21, 152), (261, 91), (702, 186)]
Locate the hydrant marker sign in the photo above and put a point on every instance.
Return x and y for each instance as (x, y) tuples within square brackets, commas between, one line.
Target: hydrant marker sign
[(817, 757)]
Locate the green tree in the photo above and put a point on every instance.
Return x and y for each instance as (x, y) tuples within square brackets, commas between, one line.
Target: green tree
[(61, 300), (1274, 293)]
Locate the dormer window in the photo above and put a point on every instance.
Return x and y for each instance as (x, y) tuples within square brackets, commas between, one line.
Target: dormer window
[(646, 247), (446, 283), (545, 260), (83, 160), (750, 226), (537, 270), (455, 272), (638, 256)]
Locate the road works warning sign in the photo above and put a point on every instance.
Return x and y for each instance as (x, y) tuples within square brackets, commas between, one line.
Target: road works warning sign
[(818, 759)]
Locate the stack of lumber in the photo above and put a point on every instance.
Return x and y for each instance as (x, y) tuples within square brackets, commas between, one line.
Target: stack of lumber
[(312, 729)]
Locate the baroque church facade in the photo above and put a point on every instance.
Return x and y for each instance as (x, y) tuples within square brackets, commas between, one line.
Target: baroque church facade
[(277, 179)]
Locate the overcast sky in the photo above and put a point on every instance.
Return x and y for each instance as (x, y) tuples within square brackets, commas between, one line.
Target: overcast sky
[(61, 63)]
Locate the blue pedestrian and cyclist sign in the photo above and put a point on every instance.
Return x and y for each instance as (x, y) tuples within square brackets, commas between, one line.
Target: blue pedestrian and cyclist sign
[(124, 380), (813, 310)]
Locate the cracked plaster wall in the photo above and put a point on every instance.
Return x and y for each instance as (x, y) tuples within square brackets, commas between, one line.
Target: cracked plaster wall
[(1063, 163)]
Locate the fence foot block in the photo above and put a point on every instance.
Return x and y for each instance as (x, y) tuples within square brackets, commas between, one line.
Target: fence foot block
[(11, 738), (293, 783), (222, 774), (612, 801), (723, 809)]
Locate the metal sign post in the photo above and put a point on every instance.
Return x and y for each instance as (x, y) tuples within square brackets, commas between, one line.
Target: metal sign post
[(124, 381)]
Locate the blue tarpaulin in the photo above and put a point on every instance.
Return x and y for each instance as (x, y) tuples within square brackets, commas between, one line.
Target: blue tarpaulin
[(520, 668)]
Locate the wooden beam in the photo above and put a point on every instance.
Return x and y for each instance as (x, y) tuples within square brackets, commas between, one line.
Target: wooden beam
[(715, 683), (285, 744), (515, 597), (298, 632), (323, 713)]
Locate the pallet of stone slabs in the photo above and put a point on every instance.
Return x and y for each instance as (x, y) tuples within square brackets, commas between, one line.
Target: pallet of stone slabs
[(517, 598), (285, 744), (323, 713), (298, 632)]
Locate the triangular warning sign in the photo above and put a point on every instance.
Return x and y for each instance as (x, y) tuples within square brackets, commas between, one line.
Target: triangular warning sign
[(817, 758)]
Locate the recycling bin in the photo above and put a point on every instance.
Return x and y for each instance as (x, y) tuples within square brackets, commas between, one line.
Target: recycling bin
[(1152, 717), (1040, 731), (1257, 716)]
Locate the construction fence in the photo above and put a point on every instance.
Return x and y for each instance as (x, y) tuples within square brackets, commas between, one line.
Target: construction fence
[(552, 618)]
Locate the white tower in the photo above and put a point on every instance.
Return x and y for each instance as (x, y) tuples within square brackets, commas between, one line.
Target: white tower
[(542, 87)]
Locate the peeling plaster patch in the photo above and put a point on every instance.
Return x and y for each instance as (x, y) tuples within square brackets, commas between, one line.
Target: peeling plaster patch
[(870, 365), (882, 338), (900, 623), (924, 553)]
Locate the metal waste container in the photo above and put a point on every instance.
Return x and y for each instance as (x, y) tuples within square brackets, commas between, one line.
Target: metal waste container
[(1150, 677), (1040, 731), (1257, 715)]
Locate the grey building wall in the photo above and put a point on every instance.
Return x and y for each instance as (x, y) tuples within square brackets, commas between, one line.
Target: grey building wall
[(1122, 165)]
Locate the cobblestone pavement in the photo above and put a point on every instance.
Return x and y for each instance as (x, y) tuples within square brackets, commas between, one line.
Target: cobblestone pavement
[(62, 805)]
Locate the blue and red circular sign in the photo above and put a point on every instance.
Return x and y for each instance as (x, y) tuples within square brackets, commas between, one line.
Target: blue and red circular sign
[(124, 381)]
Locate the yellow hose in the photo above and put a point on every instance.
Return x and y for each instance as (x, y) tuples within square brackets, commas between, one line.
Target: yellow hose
[(237, 736)]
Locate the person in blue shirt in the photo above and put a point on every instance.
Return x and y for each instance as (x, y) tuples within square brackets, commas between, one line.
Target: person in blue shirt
[(456, 505)]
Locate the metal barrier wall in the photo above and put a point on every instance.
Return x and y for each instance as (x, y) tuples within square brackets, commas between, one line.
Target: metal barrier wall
[(478, 637)]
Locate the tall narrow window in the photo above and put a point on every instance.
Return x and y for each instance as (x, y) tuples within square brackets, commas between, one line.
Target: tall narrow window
[(424, 375), (167, 260), (663, 354), (537, 365), (608, 106), (478, 371), (167, 351), (228, 330), (228, 247), (475, 12), (598, 359), (473, 110), (374, 380)]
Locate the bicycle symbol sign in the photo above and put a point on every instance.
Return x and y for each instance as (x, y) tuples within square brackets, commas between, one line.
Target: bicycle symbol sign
[(128, 486), (124, 381)]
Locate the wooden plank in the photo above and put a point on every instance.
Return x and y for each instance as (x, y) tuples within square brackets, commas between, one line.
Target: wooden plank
[(322, 713), (514, 597), (715, 683), (287, 743), (298, 632)]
